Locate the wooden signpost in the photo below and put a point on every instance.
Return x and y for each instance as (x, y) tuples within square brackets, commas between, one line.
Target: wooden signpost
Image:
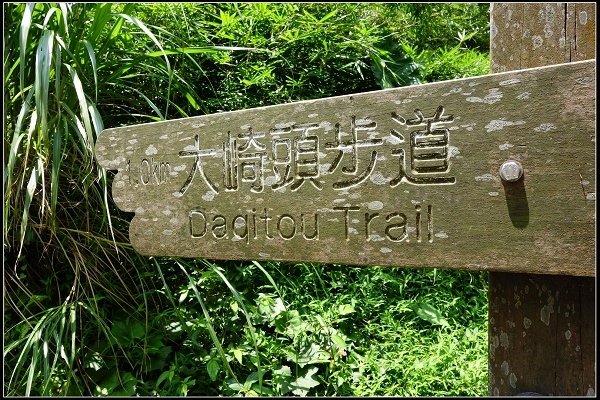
[(542, 328), (408, 176), (489, 173)]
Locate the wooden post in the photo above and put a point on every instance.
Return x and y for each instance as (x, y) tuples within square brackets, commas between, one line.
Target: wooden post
[(541, 327)]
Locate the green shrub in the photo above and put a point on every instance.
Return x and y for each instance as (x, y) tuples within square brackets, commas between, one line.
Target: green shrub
[(68, 66)]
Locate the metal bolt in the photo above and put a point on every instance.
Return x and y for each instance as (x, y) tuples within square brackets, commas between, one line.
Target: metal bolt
[(511, 171)]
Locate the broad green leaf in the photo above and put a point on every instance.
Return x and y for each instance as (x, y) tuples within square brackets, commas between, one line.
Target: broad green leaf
[(429, 313), (162, 377), (304, 383), (126, 385), (138, 330), (94, 361), (120, 332), (339, 341), (283, 371), (393, 67), (213, 368), (309, 354), (236, 386), (192, 101), (183, 295), (345, 309), (237, 353)]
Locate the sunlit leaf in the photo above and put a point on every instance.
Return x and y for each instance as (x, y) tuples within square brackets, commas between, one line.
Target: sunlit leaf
[(304, 383), (429, 313), (237, 353), (345, 309), (24, 33)]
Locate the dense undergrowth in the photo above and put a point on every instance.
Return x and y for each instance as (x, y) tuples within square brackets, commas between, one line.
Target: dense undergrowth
[(85, 315)]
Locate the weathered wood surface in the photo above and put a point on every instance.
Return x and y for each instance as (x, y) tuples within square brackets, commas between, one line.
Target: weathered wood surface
[(541, 335), (208, 186), (551, 33), (542, 328)]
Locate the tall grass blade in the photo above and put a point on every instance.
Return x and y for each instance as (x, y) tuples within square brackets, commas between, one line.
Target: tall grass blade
[(240, 301), (42, 177), (24, 33), (83, 108), (269, 277), (209, 324), (92, 56), (31, 186), (42, 80), (77, 126), (65, 8), (72, 320), (148, 33), (200, 50), (57, 75), (96, 119), (142, 95), (34, 359), (12, 160), (33, 337), (101, 17), (57, 155), (49, 14)]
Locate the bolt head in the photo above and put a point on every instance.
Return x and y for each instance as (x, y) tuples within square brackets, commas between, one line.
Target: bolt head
[(511, 171)]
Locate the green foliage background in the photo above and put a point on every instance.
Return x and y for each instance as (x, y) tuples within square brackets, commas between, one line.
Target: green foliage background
[(85, 315)]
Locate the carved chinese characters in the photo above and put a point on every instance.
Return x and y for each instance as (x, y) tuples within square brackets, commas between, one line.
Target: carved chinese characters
[(405, 176), (288, 156)]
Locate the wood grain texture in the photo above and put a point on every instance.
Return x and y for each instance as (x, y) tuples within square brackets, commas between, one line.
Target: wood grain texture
[(528, 35), (179, 177), (541, 335), (542, 328)]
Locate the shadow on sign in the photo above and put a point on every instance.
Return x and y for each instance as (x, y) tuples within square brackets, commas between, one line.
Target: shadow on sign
[(516, 201)]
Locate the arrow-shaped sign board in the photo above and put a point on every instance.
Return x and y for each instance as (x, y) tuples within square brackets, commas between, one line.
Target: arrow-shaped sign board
[(401, 177)]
